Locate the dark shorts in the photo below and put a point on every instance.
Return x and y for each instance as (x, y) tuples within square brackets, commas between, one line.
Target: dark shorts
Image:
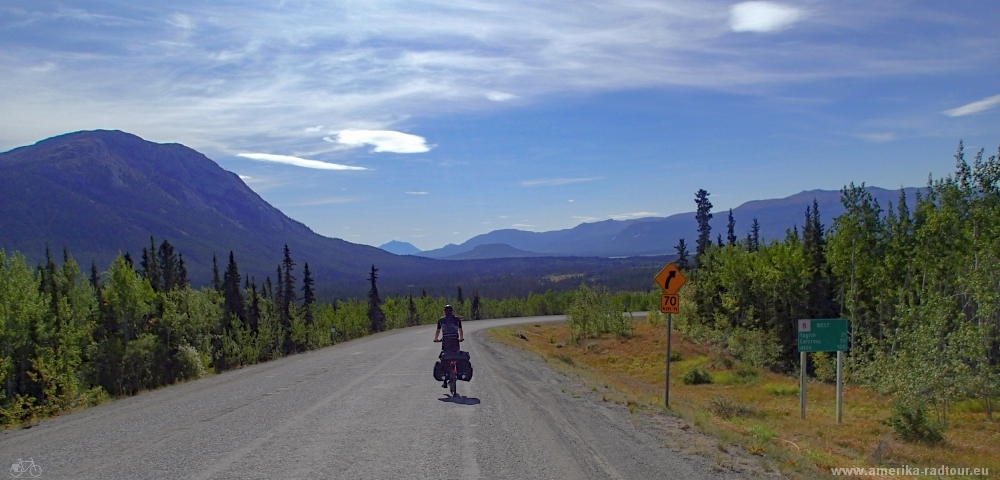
[(449, 345)]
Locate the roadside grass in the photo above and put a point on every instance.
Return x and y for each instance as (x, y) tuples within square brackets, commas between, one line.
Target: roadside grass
[(758, 410)]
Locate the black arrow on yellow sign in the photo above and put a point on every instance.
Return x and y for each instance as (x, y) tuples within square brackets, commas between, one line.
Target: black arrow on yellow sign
[(670, 276)]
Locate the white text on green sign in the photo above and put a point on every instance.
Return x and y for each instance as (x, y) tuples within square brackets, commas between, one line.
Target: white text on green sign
[(823, 335)]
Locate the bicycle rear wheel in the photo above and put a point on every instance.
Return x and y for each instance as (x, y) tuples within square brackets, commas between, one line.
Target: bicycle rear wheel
[(453, 383)]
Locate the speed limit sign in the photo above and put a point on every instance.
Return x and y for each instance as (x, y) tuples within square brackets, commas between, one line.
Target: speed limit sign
[(670, 303)]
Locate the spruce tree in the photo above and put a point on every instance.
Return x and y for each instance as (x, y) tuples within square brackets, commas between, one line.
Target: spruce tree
[(375, 315), (279, 293), (232, 296), (719, 241), (48, 285), (95, 278), (682, 255), (253, 315), (807, 237), (168, 266), (283, 318), (308, 298), (216, 281), (477, 306), (267, 288), (703, 215), (151, 267), (144, 264), (461, 298), (411, 312), (288, 296), (182, 273), (820, 304), (731, 229), (753, 238), (128, 260)]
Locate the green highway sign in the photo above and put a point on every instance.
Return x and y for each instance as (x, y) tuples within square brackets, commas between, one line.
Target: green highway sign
[(823, 335)]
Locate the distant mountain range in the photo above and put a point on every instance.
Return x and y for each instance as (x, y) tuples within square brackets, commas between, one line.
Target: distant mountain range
[(400, 248), (658, 236), (102, 192)]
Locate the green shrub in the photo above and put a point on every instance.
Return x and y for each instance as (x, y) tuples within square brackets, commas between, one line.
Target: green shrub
[(761, 432), (747, 375), (824, 366), (910, 423), (188, 364), (781, 390), (697, 376), (140, 364), (594, 311), (725, 407), (758, 348), (675, 356), (564, 358)]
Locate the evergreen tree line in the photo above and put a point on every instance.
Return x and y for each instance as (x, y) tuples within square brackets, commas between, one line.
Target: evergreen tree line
[(67, 340), (920, 287)]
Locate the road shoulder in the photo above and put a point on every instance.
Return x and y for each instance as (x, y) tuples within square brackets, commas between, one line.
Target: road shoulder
[(630, 440)]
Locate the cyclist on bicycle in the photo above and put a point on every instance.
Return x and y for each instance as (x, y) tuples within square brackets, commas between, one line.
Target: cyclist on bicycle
[(449, 331)]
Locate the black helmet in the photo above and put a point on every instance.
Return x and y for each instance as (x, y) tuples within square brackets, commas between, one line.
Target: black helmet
[(447, 307)]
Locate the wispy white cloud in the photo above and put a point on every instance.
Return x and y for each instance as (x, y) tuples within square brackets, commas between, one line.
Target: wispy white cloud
[(416, 193), (522, 225), (315, 129), (878, 137), (585, 219), (42, 67), (975, 107), (206, 74), (762, 17), (181, 21), (298, 162), (382, 140), (500, 96), (551, 182), (626, 216)]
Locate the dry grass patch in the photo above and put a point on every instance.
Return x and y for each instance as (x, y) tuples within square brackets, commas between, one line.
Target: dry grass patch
[(759, 410)]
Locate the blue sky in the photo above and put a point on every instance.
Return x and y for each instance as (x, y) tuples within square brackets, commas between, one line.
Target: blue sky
[(433, 121)]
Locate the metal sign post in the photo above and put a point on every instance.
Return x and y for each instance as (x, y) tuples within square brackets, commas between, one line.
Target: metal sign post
[(670, 279), (666, 394), (822, 335), (840, 386), (803, 359)]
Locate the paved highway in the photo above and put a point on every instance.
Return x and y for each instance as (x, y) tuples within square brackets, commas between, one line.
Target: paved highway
[(363, 409)]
